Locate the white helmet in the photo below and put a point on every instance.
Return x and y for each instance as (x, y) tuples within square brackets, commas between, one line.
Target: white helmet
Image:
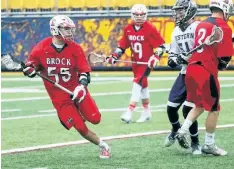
[(225, 5), (62, 26), (139, 13)]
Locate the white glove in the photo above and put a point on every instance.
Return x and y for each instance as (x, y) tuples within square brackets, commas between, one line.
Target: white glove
[(153, 61), (79, 93)]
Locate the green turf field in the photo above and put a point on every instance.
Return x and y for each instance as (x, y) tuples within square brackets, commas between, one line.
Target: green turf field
[(28, 120)]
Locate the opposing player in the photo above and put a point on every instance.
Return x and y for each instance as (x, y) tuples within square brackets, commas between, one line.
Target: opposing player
[(182, 42), (202, 72), (63, 60), (141, 37)]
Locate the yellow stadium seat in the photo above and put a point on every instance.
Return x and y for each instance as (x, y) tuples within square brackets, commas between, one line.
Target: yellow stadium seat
[(169, 2), (107, 3), (93, 3), (63, 4), (155, 3), (3, 4), (15, 4), (123, 3), (202, 2), (133, 2), (77, 4), (46, 4), (29, 4)]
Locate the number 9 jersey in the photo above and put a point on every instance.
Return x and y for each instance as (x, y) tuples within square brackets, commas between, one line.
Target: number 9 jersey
[(142, 41), (183, 41)]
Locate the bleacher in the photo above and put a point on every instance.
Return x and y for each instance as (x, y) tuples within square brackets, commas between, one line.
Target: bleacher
[(84, 5)]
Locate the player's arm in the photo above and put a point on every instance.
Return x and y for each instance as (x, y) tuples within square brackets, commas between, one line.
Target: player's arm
[(33, 63), (224, 56), (173, 52), (156, 41), (120, 50), (83, 70)]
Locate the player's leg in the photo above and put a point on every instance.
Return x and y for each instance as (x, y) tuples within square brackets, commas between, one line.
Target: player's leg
[(195, 146), (71, 117), (211, 104), (146, 113), (176, 98), (136, 94)]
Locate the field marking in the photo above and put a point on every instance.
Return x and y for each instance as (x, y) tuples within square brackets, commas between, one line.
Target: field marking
[(125, 136), (53, 114), (93, 94), (10, 110), (94, 79), (138, 109)]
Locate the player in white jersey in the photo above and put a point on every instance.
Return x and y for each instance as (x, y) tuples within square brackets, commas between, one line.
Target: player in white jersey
[(182, 42)]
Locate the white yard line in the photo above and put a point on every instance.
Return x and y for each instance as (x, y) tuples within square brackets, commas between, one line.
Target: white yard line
[(109, 79), (53, 114), (10, 110), (49, 146), (93, 94)]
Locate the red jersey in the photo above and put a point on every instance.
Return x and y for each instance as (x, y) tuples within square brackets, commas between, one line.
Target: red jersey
[(142, 41), (208, 55), (61, 66)]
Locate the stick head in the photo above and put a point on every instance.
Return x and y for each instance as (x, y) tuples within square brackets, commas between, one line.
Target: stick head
[(215, 37), (96, 58), (10, 63)]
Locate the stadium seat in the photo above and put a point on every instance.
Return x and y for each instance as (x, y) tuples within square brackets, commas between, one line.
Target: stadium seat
[(154, 4), (133, 2), (107, 4), (14, 5), (95, 4), (3, 5), (202, 2), (77, 5), (30, 5), (63, 4), (169, 3), (46, 5), (123, 4)]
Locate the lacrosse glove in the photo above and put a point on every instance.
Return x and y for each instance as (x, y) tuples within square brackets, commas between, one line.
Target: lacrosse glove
[(29, 70)]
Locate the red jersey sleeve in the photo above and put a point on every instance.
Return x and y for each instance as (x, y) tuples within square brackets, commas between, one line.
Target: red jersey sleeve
[(35, 54), (124, 42), (155, 38), (225, 47), (81, 61)]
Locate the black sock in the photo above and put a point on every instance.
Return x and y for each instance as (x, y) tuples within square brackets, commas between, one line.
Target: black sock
[(173, 117), (194, 127)]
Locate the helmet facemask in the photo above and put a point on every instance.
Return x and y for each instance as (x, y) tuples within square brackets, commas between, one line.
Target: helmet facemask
[(67, 33)]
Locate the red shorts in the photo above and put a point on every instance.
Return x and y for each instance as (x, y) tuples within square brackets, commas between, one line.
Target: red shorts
[(70, 114), (202, 87), (141, 73)]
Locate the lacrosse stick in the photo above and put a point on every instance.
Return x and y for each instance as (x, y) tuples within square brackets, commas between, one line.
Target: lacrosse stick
[(97, 58), (215, 37), (13, 64)]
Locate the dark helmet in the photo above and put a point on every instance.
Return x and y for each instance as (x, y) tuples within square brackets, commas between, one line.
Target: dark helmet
[(185, 10)]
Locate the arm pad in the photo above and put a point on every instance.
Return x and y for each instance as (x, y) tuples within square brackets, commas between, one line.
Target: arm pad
[(223, 62), (119, 51), (84, 79)]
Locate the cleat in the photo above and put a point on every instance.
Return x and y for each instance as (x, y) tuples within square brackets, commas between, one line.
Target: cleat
[(105, 153), (214, 150), (145, 116), (170, 139), (182, 140), (196, 148), (126, 117)]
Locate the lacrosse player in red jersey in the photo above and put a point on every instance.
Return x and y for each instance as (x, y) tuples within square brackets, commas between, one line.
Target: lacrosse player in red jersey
[(63, 61), (141, 37), (202, 73)]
